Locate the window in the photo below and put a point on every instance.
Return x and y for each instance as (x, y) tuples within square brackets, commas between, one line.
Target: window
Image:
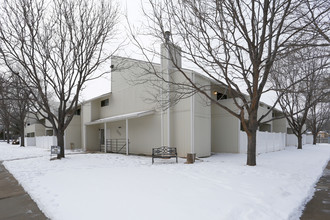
[(49, 132), (78, 111), (289, 131), (104, 102), (30, 134), (221, 96)]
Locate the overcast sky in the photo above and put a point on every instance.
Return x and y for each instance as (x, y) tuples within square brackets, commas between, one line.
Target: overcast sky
[(132, 10)]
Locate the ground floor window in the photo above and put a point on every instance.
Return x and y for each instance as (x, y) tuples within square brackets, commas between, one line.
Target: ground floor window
[(31, 134)]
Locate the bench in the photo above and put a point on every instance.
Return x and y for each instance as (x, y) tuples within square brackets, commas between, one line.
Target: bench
[(54, 150), (164, 152)]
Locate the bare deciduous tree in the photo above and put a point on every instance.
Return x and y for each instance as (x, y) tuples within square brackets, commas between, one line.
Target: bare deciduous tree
[(5, 107), (234, 43), (318, 117), (318, 18), (298, 80), (60, 45), (19, 96)]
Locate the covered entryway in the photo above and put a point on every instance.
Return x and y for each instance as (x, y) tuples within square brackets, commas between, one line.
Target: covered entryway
[(110, 135)]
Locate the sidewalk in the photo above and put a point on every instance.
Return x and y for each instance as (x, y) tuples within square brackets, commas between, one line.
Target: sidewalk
[(15, 203), (318, 208)]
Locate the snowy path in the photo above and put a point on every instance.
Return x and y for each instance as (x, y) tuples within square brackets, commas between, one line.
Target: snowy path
[(110, 186)]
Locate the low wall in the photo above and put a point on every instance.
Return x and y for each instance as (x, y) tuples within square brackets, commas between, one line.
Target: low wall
[(46, 141), (292, 140), (309, 139), (30, 141), (266, 142), (41, 141)]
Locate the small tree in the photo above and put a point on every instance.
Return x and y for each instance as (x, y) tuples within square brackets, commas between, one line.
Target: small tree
[(20, 98), (297, 80), (5, 107), (318, 117), (59, 46), (15, 104)]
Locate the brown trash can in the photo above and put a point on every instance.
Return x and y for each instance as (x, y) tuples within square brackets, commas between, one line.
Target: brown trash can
[(191, 158)]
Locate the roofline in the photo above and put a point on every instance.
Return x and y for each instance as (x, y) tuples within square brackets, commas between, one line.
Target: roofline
[(97, 97), (121, 117)]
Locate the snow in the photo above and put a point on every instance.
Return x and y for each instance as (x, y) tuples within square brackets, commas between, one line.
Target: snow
[(12, 152), (112, 186)]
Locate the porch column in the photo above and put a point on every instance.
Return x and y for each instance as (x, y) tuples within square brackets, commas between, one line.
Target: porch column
[(127, 136), (105, 137), (84, 137)]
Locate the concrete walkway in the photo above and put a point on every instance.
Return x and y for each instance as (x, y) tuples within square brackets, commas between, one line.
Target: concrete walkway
[(318, 208), (15, 203)]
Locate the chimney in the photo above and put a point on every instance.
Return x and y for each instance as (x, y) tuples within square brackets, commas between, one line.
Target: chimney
[(170, 54)]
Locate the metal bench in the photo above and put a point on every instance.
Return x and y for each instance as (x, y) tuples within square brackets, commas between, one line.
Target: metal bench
[(164, 152)]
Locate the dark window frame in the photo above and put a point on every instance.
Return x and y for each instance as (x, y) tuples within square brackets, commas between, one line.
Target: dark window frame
[(104, 102)]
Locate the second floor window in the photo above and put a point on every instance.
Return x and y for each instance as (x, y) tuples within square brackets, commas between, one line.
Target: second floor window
[(78, 112), (104, 102)]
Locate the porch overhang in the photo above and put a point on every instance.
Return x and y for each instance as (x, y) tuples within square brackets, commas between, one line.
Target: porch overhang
[(121, 117)]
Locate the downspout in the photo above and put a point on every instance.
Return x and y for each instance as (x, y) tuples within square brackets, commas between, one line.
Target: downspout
[(161, 118), (192, 128), (169, 101), (127, 137)]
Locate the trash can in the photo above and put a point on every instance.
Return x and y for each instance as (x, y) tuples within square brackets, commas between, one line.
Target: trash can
[(191, 158)]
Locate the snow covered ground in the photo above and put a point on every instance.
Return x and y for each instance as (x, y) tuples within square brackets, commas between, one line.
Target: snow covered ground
[(111, 186)]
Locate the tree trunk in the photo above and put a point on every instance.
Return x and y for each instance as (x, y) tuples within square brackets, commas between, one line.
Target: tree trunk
[(7, 136), (21, 133), (60, 142), (252, 143), (252, 137), (299, 141), (314, 139)]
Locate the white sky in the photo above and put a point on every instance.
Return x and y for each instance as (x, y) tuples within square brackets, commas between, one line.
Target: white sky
[(133, 10), (134, 13)]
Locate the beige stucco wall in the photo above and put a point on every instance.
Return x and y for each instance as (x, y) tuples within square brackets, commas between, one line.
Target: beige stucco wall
[(263, 109), (92, 139), (280, 125), (180, 127), (38, 129), (202, 121), (73, 134), (225, 129), (144, 134), (128, 93)]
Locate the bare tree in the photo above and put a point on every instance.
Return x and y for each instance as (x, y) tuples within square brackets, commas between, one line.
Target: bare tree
[(318, 117), (20, 99), (298, 81), (60, 45), (14, 106), (318, 18), (5, 107), (234, 43)]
